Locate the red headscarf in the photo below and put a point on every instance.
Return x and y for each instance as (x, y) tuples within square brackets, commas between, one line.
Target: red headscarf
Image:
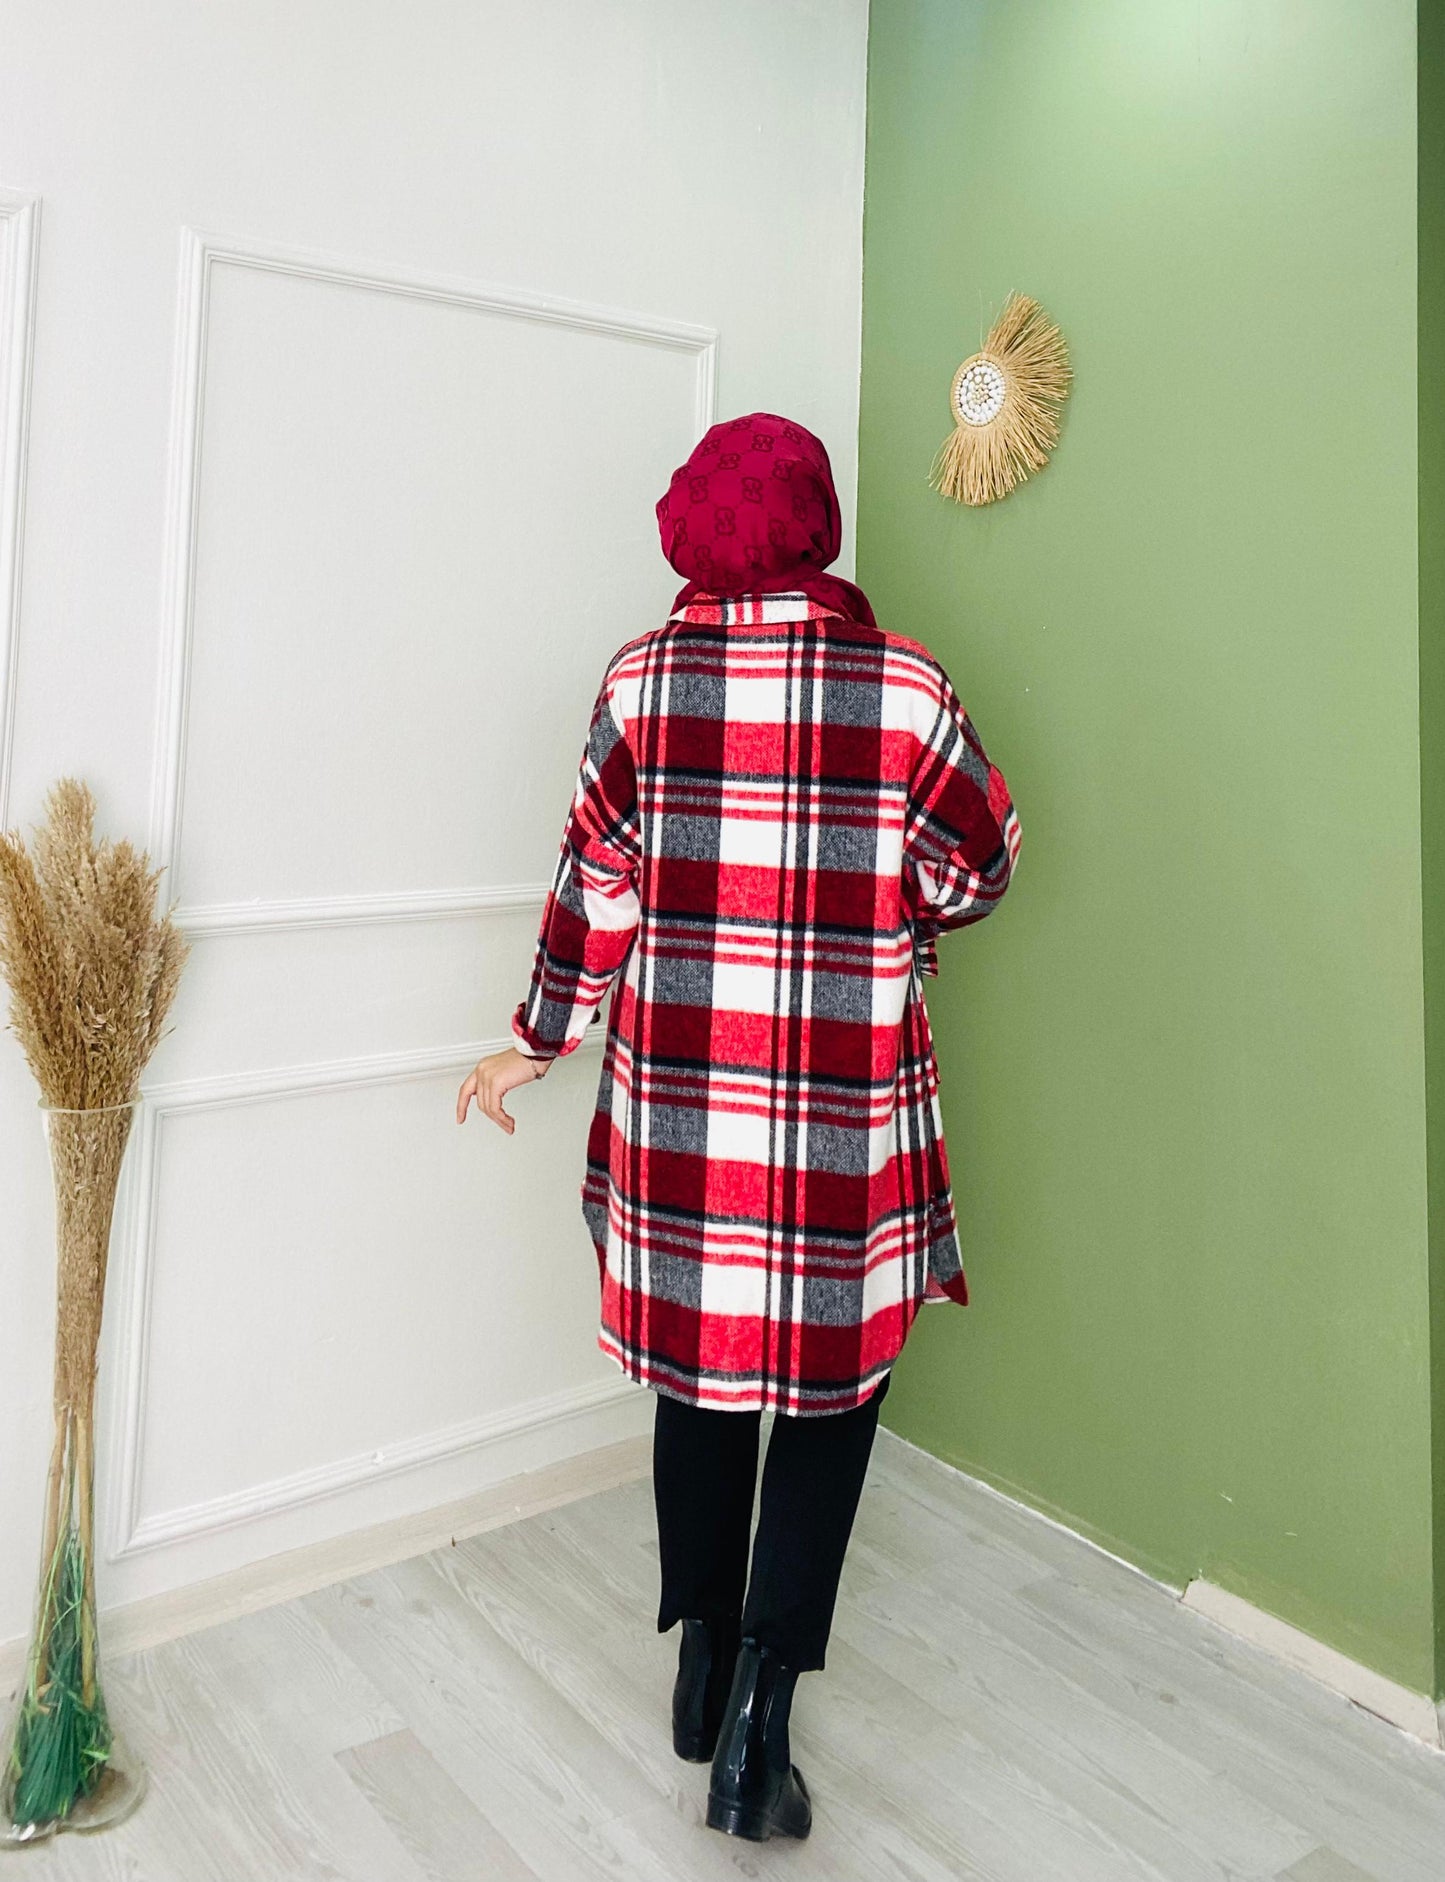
[(753, 511)]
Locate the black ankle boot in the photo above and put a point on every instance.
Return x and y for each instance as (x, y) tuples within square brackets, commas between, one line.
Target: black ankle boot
[(756, 1790), (705, 1662)]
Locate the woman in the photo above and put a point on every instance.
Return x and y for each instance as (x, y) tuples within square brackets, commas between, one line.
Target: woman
[(780, 807)]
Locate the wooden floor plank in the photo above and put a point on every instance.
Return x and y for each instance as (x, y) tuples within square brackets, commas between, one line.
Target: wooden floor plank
[(970, 1663), (431, 1816), (535, 1769)]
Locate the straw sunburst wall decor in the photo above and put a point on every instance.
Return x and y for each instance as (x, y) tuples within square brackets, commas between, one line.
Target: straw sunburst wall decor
[(1005, 402)]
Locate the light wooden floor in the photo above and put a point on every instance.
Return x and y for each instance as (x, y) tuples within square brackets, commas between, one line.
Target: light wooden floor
[(1000, 1702)]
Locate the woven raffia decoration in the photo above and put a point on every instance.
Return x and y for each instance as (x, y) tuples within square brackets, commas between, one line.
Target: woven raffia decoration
[(1005, 403)]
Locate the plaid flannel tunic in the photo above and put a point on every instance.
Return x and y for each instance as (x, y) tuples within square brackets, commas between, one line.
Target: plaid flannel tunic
[(777, 813)]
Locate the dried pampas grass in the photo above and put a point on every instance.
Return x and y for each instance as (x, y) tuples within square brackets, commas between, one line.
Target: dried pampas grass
[(92, 972), (1005, 402)]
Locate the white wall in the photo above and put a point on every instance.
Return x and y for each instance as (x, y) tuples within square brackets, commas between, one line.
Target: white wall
[(324, 546)]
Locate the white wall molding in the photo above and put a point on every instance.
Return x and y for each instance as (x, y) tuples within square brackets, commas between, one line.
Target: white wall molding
[(132, 1531), (356, 911), (201, 255), (19, 270)]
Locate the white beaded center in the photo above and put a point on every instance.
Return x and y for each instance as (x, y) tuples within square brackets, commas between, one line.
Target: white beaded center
[(980, 392)]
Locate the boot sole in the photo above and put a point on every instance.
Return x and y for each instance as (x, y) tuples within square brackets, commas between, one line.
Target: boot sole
[(791, 1816)]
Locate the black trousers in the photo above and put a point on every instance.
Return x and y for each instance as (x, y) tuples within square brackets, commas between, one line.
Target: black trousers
[(704, 1476)]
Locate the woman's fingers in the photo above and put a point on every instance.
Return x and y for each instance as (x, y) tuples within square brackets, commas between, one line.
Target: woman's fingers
[(493, 1090), (490, 1083)]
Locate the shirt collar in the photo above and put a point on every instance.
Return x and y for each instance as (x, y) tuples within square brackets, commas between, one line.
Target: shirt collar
[(751, 610)]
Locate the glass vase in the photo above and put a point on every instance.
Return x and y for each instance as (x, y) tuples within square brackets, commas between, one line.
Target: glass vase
[(65, 1766)]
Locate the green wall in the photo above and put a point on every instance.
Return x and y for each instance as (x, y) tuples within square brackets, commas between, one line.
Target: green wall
[(1431, 122), (1184, 1064)]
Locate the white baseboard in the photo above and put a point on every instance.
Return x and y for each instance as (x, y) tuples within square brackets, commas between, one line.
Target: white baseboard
[(141, 1624), (1413, 1712)]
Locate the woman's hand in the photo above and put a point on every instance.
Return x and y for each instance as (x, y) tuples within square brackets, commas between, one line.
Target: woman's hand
[(493, 1079)]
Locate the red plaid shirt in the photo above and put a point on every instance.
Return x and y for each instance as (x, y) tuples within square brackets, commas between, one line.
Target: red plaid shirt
[(778, 812)]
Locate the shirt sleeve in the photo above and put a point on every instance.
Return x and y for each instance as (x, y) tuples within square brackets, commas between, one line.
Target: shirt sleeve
[(592, 907), (961, 832)]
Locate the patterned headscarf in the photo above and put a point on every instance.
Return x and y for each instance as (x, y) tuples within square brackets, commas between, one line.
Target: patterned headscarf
[(754, 511)]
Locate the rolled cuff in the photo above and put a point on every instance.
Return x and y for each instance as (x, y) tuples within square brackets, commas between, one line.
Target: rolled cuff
[(529, 1046)]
